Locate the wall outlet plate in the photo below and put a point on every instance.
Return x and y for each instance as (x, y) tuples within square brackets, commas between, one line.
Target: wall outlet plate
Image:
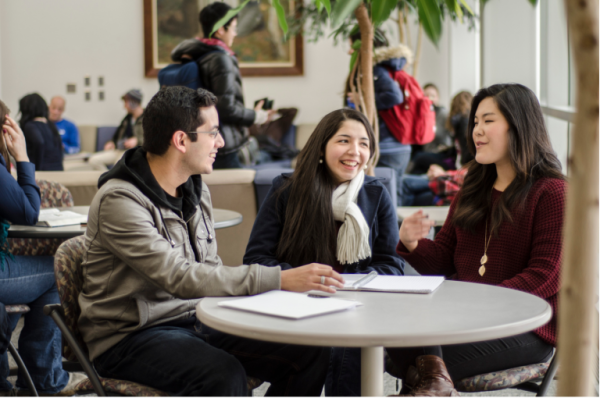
[(100, 81), (88, 96), (71, 88), (87, 81), (100, 95)]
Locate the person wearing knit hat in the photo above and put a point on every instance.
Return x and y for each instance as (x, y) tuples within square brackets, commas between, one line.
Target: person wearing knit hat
[(129, 134)]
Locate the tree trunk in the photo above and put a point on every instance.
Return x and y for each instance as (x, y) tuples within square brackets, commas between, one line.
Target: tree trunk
[(418, 51), (365, 74), (579, 278), (401, 27)]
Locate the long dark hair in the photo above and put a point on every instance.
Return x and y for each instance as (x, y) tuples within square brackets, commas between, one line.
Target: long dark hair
[(530, 153), (309, 233), (4, 111), (32, 106), (460, 105)]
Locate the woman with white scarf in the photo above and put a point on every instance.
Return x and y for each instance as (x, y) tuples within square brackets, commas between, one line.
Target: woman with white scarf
[(329, 212)]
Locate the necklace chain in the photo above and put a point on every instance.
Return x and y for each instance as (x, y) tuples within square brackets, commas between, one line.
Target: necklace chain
[(486, 242)]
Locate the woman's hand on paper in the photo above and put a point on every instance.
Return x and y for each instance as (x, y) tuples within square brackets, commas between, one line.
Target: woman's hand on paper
[(414, 227), (15, 140), (308, 277)]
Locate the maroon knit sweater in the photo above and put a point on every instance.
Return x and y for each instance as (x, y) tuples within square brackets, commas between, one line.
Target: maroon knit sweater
[(526, 255)]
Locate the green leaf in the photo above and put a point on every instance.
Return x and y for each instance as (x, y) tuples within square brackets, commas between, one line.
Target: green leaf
[(353, 58), (319, 5), (327, 4), (466, 5), (453, 5), (430, 16), (356, 45), (280, 16), (342, 10), (533, 2), (230, 14), (381, 10)]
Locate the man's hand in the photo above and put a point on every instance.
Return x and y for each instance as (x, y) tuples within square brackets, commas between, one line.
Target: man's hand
[(15, 140), (109, 146), (413, 228), (308, 277), (130, 143), (435, 171)]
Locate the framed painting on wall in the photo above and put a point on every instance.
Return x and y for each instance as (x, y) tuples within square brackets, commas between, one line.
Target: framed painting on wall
[(259, 45)]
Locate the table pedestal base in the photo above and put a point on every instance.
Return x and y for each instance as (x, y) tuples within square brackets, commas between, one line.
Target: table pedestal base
[(371, 375)]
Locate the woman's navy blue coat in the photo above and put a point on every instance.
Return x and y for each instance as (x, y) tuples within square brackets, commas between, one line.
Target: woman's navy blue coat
[(19, 199), (376, 205)]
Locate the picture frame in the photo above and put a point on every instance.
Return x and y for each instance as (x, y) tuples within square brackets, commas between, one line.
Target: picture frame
[(167, 22)]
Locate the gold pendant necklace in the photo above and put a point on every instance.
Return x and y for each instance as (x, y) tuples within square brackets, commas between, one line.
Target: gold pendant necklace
[(484, 259)]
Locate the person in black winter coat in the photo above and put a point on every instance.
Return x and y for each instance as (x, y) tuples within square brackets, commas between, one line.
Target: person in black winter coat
[(220, 74), (44, 145)]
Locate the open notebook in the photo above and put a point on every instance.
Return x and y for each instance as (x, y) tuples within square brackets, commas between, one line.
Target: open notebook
[(55, 218), (395, 283), (289, 305)]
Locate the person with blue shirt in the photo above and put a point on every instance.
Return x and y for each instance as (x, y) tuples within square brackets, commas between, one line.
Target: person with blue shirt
[(27, 279), (67, 129), (329, 212)]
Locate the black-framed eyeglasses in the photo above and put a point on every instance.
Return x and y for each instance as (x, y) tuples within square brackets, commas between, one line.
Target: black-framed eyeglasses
[(213, 133)]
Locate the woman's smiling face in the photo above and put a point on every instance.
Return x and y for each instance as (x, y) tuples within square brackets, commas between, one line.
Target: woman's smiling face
[(347, 152)]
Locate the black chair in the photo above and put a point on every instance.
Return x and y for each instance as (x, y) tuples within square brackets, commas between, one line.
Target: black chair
[(20, 309)]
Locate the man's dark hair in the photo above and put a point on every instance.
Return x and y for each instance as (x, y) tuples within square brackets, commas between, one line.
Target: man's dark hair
[(211, 14), (425, 87), (172, 109)]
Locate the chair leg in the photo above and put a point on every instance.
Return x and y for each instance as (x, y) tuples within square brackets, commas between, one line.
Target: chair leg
[(13, 351), (550, 373), (52, 311)]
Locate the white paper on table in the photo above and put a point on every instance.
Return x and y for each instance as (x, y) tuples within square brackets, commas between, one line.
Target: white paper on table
[(55, 218), (396, 283), (289, 305)]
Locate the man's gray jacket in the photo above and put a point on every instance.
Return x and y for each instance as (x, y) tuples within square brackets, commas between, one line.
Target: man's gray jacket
[(148, 262)]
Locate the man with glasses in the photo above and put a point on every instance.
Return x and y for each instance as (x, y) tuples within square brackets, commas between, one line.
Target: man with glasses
[(151, 253)]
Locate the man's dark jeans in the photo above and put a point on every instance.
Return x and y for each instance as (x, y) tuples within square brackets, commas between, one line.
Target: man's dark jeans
[(180, 360)]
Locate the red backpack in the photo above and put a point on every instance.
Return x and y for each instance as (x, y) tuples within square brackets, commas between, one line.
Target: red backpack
[(413, 121)]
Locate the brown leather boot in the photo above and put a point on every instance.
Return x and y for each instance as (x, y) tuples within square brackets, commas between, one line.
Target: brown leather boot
[(429, 378)]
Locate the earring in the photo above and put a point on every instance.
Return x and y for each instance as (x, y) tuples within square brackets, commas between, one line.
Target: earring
[(321, 160), (365, 167)]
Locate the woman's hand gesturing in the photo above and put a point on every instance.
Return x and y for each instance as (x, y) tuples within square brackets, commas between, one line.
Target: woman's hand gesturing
[(309, 277), (413, 228), (15, 140)]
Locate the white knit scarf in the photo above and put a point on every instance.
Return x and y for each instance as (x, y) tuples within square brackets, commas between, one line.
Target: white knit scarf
[(353, 237)]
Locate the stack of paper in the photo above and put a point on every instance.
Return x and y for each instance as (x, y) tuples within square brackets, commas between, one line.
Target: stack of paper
[(395, 283), (56, 218), (289, 304)]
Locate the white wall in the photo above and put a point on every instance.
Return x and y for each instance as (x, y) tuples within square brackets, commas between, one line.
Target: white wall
[(509, 43), (45, 45)]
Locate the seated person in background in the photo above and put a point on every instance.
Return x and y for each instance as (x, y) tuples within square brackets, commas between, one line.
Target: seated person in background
[(44, 146), (388, 94), (328, 212), (443, 142), (457, 154), (220, 72), (504, 228), (437, 189), (151, 256), (27, 279), (67, 129), (129, 134)]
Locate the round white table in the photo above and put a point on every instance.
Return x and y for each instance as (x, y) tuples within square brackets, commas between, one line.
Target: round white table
[(223, 219), (435, 213), (457, 312)]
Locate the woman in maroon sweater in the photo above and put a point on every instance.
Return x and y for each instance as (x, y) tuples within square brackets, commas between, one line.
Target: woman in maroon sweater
[(504, 228)]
